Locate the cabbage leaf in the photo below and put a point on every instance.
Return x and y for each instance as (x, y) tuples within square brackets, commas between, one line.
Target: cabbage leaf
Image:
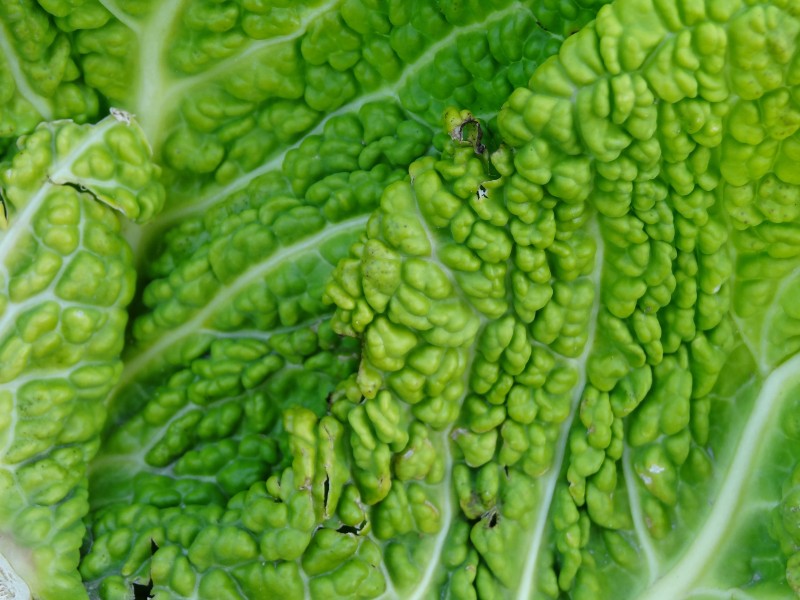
[(363, 298)]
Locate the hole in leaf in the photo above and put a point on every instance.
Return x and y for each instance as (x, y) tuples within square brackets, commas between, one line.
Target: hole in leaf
[(472, 132), (352, 530), (142, 591), (493, 520), (326, 488)]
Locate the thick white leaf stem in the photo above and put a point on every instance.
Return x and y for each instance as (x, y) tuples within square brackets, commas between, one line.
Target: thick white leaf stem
[(704, 550)]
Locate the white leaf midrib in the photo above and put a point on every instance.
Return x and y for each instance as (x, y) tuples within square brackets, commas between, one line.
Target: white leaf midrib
[(38, 102), (389, 91), (198, 321), (12, 586), (529, 576), (639, 526), (153, 38), (21, 223), (705, 546)]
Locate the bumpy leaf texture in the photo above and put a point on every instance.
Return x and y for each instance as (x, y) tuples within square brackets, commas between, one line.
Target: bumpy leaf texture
[(548, 350), (39, 78), (66, 277), (602, 335), (232, 331)]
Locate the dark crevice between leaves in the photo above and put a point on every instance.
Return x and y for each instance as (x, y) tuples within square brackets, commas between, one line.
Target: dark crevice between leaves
[(85, 190), (75, 186)]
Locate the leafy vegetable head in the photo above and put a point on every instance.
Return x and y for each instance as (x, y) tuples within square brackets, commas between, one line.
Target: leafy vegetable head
[(453, 299)]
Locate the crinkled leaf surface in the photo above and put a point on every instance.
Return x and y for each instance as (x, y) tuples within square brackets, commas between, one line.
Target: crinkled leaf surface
[(275, 150), (549, 352), (602, 333), (39, 78), (66, 276), (309, 143)]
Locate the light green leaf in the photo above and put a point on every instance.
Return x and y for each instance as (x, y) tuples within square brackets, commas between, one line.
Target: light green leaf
[(66, 277)]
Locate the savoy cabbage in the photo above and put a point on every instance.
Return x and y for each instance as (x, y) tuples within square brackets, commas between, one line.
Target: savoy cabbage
[(400, 299)]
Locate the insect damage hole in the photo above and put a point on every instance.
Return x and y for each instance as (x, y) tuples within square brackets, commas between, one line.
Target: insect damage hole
[(143, 591), (326, 489), (352, 530)]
